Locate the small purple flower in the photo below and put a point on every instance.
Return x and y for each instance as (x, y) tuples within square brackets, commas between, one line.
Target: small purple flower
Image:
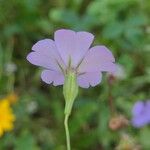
[(141, 113), (71, 51)]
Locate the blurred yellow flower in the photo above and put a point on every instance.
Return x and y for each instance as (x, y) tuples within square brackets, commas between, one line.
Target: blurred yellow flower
[(6, 117)]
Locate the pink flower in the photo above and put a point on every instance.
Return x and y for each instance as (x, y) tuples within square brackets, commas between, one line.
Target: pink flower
[(70, 51)]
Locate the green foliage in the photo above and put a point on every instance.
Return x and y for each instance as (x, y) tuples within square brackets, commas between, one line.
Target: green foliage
[(122, 25), (25, 142)]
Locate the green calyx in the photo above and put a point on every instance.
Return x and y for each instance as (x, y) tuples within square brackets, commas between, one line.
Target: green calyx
[(70, 90)]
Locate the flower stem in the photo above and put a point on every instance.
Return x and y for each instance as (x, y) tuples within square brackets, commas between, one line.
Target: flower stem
[(67, 132), (70, 91), (110, 96)]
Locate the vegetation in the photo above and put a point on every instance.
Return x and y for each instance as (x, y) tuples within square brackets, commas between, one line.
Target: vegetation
[(122, 25)]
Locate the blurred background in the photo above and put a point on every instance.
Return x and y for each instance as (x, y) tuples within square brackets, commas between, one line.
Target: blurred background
[(101, 118)]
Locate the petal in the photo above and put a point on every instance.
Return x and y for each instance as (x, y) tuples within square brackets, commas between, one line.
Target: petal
[(138, 108), (49, 76), (45, 55), (148, 104), (147, 107), (140, 121), (141, 114), (72, 45), (89, 78), (98, 58)]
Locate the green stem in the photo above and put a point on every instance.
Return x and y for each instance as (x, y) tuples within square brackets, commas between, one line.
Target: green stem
[(67, 131), (70, 91)]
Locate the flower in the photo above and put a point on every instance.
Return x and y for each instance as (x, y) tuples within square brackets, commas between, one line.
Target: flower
[(70, 51), (6, 117), (120, 72), (141, 113), (10, 67)]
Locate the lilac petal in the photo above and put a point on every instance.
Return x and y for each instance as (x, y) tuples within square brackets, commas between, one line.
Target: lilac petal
[(148, 104), (45, 55), (147, 107), (141, 114), (72, 45), (98, 58), (140, 121), (89, 78), (138, 108), (49, 76)]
